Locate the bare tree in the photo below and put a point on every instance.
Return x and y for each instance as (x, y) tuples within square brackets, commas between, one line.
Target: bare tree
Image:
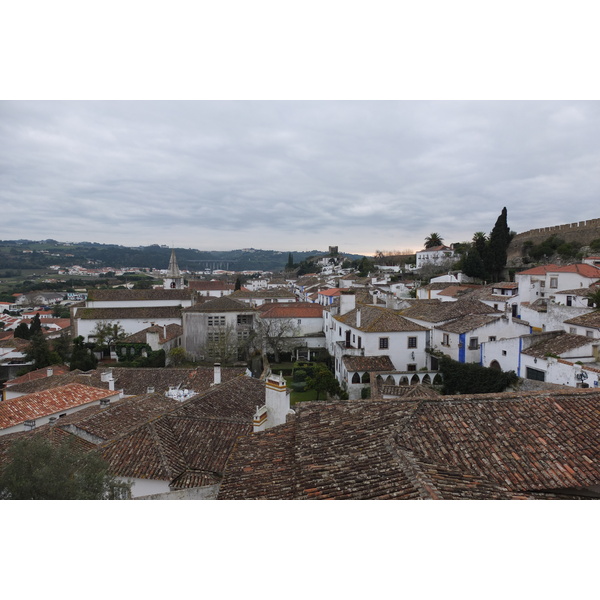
[(278, 335)]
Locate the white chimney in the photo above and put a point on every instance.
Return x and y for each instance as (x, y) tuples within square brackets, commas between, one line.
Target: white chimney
[(111, 384), (49, 372), (358, 319), (277, 400), (347, 301), (217, 371)]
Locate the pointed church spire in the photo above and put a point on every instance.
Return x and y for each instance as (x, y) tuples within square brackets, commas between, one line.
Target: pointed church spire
[(173, 270), (173, 279)]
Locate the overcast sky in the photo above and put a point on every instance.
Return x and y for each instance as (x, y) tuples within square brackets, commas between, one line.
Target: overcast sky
[(293, 175)]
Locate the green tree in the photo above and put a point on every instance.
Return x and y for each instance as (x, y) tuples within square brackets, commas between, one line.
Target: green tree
[(108, 334), (39, 470), (593, 297), (36, 325), (496, 256), (40, 353), (238, 284), (22, 331), (62, 347), (81, 356), (323, 381), (290, 262), (177, 356), (473, 265), (433, 240)]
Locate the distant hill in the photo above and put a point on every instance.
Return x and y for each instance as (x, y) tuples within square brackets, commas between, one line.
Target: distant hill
[(28, 254)]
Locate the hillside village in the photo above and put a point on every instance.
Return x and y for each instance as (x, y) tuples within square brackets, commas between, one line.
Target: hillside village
[(428, 382)]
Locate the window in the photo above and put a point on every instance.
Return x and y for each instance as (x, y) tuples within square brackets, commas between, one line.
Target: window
[(492, 338), (503, 352), (589, 333), (216, 321), (542, 284), (411, 367), (535, 374), (446, 340), (213, 337), (299, 321), (243, 335), (243, 320), (356, 378), (473, 343), (359, 342), (384, 343), (573, 330), (412, 342), (554, 282)]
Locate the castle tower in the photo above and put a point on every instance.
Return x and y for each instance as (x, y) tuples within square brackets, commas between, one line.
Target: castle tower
[(173, 279)]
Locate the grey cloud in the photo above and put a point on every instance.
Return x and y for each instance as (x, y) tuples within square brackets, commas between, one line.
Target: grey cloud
[(293, 175)]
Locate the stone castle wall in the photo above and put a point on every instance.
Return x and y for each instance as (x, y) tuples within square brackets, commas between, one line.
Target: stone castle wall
[(582, 231)]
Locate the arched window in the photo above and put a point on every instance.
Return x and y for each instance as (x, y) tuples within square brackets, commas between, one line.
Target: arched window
[(366, 378), (356, 378)]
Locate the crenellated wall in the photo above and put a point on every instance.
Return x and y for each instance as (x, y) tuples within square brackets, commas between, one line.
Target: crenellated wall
[(582, 231)]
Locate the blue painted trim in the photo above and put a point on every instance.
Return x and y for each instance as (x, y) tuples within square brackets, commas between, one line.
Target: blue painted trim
[(462, 350)]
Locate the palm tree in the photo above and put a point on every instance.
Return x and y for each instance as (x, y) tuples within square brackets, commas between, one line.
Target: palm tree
[(432, 240), (593, 297)]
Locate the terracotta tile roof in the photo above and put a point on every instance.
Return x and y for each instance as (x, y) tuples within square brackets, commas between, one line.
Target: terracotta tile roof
[(270, 293), (435, 249), (557, 344), (194, 438), (582, 269), (291, 310), (457, 290), (38, 374), (405, 391), (49, 432), (40, 404), (119, 295), (330, 292), (108, 423), (222, 304), (591, 320), (16, 343), (378, 319), (172, 331), (436, 311), (121, 313), (134, 382), (368, 363), (468, 323), (207, 286), (478, 447)]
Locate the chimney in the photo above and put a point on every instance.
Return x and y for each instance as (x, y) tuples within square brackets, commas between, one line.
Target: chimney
[(217, 377), (358, 319), (277, 400), (49, 372), (347, 301), (111, 384)]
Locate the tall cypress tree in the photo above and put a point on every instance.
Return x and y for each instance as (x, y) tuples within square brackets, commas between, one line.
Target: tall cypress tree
[(290, 262), (496, 256)]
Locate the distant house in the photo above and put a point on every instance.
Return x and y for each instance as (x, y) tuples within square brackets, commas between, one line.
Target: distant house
[(437, 255), (211, 289), (263, 296), (218, 329)]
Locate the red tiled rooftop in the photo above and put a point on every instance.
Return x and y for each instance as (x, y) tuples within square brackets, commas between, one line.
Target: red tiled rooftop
[(40, 404)]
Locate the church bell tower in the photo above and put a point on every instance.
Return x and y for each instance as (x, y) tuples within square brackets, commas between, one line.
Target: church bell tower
[(173, 279)]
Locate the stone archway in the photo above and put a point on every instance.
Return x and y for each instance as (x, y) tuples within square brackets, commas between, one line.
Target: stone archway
[(495, 365)]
